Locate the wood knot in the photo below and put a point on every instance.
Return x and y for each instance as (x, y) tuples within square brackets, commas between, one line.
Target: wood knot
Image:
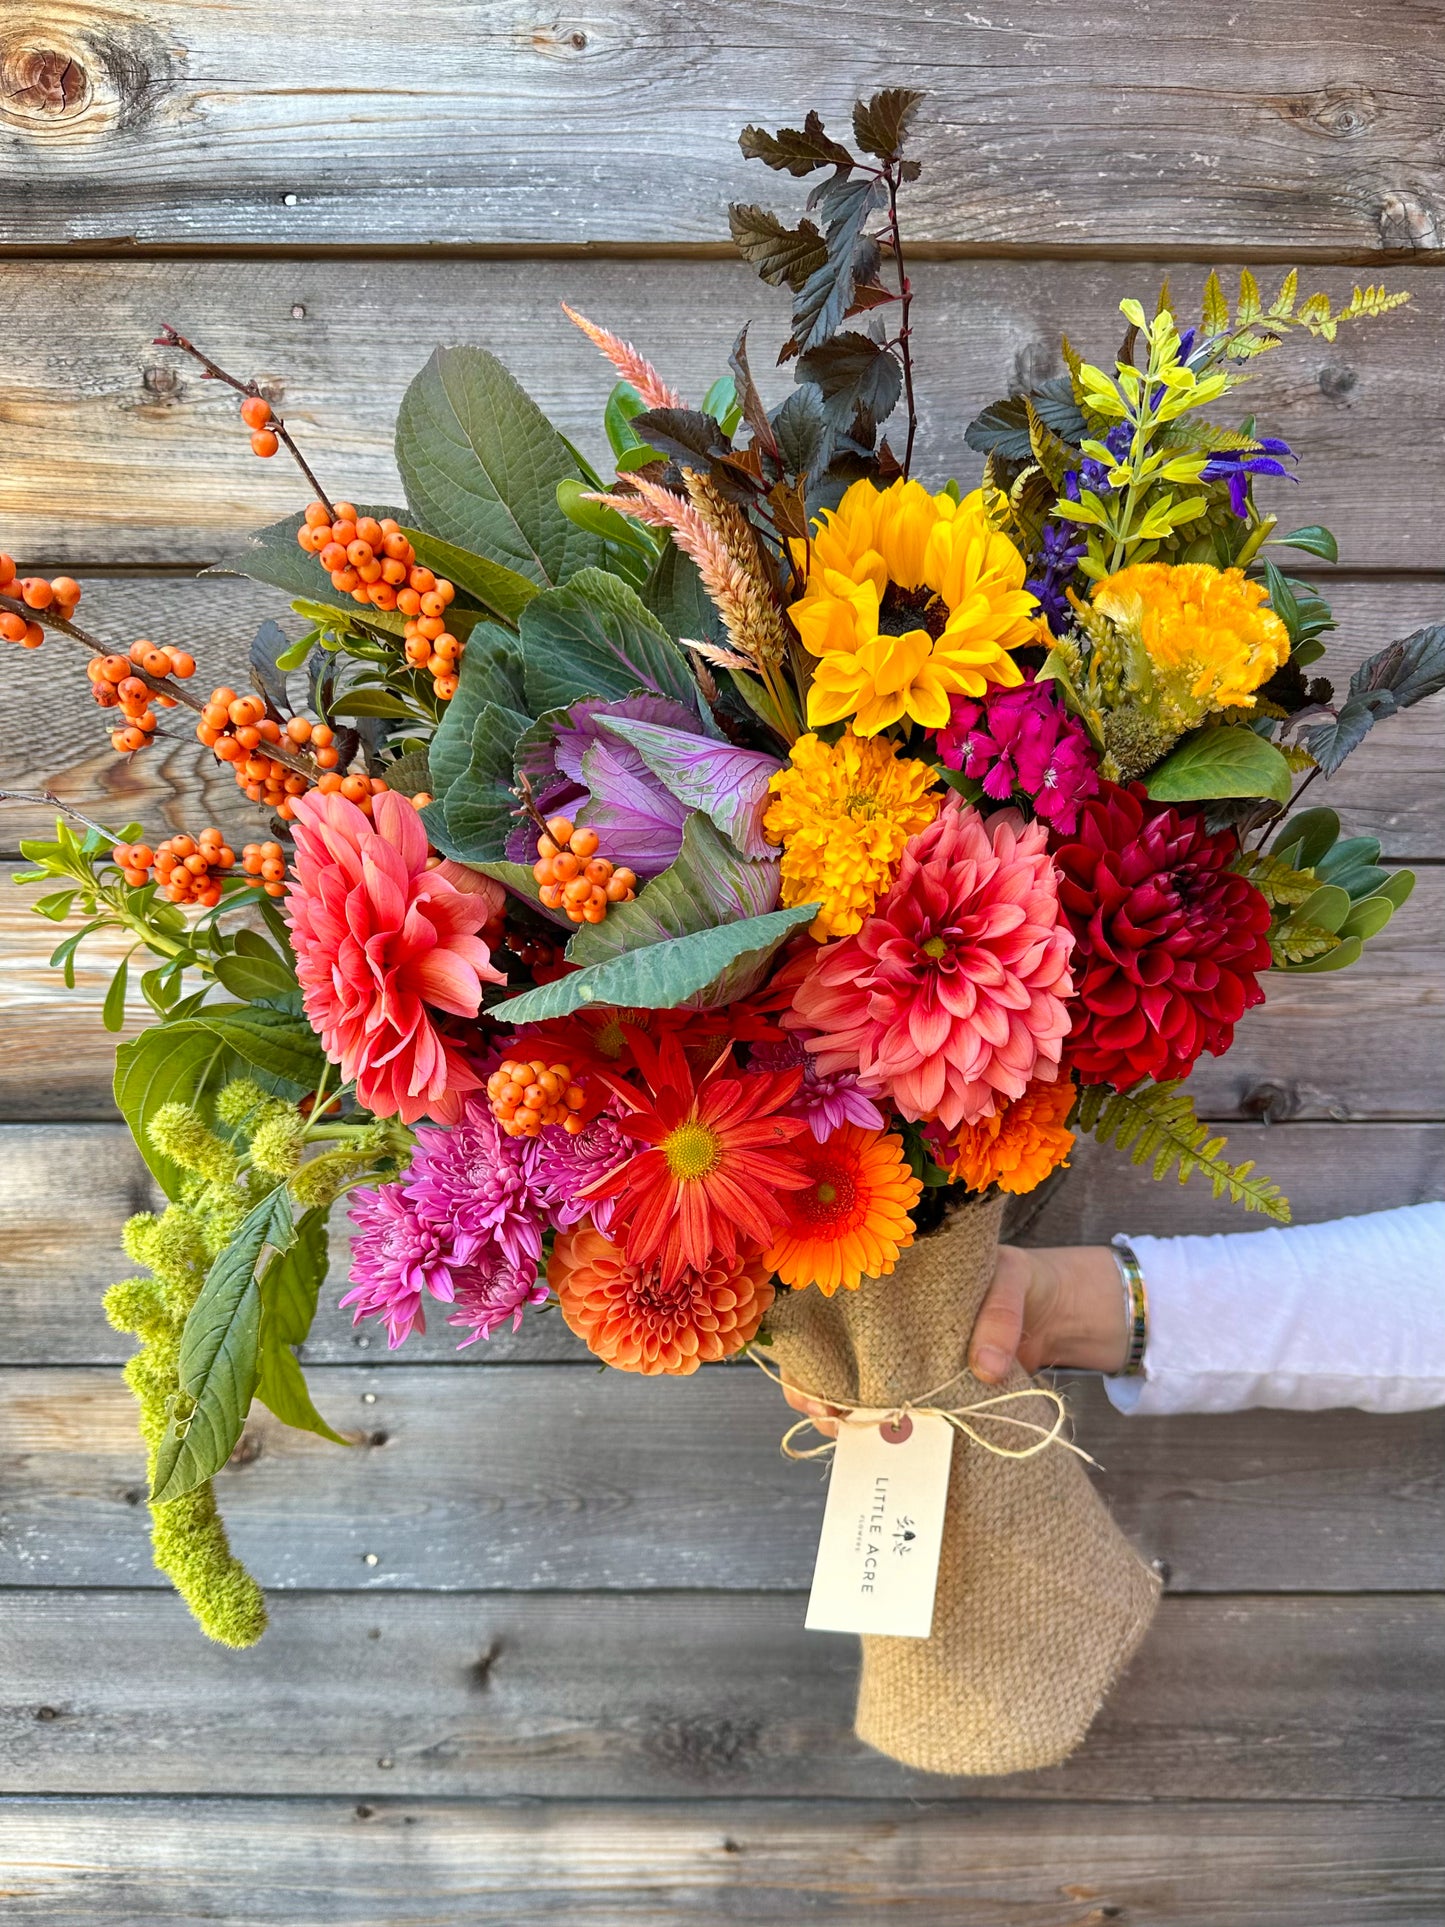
[(43, 81), (559, 40), (1337, 381), (1270, 1103), (1406, 222), (1339, 112)]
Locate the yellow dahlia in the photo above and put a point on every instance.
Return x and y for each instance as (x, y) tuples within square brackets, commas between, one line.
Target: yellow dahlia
[(843, 815), (1207, 635), (1021, 1143), (912, 598), (850, 1221)]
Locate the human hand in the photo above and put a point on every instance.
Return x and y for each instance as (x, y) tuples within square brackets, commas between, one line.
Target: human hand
[(1054, 1306)]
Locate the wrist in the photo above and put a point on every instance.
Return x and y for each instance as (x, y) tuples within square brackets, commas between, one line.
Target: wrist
[(1085, 1326)]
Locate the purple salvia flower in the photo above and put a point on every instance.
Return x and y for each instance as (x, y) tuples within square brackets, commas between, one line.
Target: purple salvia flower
[(566, 1164)]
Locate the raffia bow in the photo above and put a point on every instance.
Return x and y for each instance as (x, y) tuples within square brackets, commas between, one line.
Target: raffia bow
[(958, 1416)]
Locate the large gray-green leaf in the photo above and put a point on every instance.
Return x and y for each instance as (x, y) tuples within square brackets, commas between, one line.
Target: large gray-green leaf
[(698, 972), (502, 592), (596, 637), (1225, 760), (480, 806), (729, 784), (219, 1353), (480, 463), (491, 673), (708, 884)]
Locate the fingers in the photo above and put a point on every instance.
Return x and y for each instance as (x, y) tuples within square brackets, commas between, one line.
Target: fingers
[(824, 1417), (994, 1345)]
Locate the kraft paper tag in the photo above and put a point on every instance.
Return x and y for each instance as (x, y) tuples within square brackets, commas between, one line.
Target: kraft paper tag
[(877, 1566)]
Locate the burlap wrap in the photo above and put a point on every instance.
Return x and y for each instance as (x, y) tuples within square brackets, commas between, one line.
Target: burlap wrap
[(1041, 1599)]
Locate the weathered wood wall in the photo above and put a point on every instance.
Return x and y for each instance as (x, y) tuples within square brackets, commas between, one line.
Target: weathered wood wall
[(537, 1640)]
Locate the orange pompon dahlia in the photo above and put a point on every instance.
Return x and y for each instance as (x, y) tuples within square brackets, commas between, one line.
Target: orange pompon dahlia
[(629, 1317), (850, 1221), (717, 1156), (1020, 1144)]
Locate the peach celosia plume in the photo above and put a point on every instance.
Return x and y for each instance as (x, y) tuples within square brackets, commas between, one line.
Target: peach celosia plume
[(629, 364)]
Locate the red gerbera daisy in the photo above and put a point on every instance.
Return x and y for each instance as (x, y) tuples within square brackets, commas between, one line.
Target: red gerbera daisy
[(707, 1186)]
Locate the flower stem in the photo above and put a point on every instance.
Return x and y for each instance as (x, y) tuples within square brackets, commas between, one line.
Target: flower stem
[(905, 299)]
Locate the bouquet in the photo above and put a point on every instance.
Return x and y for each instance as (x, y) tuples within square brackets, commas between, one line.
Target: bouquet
[(694, 898)]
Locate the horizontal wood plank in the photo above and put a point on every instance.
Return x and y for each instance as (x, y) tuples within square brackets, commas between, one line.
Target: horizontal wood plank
[(66, 1190), (689, 1695), (473, 127), (1393, 787), (119, 453), (543, 1476), (348, 1863), (1364, 1043)]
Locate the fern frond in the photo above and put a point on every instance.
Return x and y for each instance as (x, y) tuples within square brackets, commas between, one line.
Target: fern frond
[(1297, 943), (1298, 758), (1186, 432), (1249, 306), (1283, 306), (1363, 305), (1156, 1123), (1276, 881), (1216, 306)]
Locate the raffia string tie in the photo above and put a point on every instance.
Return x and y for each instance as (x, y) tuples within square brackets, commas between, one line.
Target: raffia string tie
[(958, 1416)]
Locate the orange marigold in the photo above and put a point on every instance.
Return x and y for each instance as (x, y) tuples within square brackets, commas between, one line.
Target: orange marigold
[(1021, 1143), (850, 1221), (626, 1314)]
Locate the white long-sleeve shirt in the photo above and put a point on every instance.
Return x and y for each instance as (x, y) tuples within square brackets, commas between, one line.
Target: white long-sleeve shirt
[(1316, 1315)]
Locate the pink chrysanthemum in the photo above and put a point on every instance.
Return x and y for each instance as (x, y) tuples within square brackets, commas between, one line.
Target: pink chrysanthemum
[(827, 1099), (953, 991), (480, 1181), (381, 942), (566, 1163), (493, 1290), (397, 1254)]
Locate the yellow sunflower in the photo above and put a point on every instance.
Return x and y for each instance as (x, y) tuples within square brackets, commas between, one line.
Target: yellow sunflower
[(912, 599), (843, 813)]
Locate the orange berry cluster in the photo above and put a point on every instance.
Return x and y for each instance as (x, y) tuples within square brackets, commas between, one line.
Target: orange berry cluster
[(574, 878), (115, 685), (373, 562), (256, 414), (60, 593), (237, 730), (526, 1096), (189, 869)]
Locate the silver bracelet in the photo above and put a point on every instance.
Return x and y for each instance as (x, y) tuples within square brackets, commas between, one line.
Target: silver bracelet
[(1136, 1307)]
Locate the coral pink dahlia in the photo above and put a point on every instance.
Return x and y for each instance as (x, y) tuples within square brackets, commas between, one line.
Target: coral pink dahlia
[(381, 942), (952, 994)]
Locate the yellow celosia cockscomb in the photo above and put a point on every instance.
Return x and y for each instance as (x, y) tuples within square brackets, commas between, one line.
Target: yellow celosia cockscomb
[(911, 599), (843, 813), (1209, 638)]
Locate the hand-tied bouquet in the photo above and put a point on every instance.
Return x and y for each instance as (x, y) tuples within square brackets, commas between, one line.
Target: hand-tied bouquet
[(683, 893)]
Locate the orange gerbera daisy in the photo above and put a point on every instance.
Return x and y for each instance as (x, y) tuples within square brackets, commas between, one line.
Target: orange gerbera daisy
[(719, 1158), (629, 1317), (851, 1219), (1021, 1143)]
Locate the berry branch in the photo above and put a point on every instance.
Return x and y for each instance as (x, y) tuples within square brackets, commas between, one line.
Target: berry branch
[(267, 427), (905, 299)]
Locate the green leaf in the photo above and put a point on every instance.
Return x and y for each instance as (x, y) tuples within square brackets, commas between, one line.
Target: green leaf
[(290, 1285), (1223, 760), (480, 807), (56, 906), (500, 591), (275, 1044), (219, 1352), (1306, 838), (880, 125), (518, 878), (274, 556), (112, 1012), (675, 595), (368, 700), (1399, 887), (254, 976), (481, 464), (1314, 540), (491, 673), (1368, 917), (411, 774), (596, 637), (1156, 1125), (708, 884), (623, 404), (663, 976), (780, 254), (1326, 908), (1345, 953), (575, 502)]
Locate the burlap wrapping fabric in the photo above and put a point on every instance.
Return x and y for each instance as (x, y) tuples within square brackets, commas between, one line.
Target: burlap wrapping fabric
[(1041, 1599)]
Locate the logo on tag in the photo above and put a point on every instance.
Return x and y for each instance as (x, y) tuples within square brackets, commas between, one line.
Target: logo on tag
[(877, 1566)]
